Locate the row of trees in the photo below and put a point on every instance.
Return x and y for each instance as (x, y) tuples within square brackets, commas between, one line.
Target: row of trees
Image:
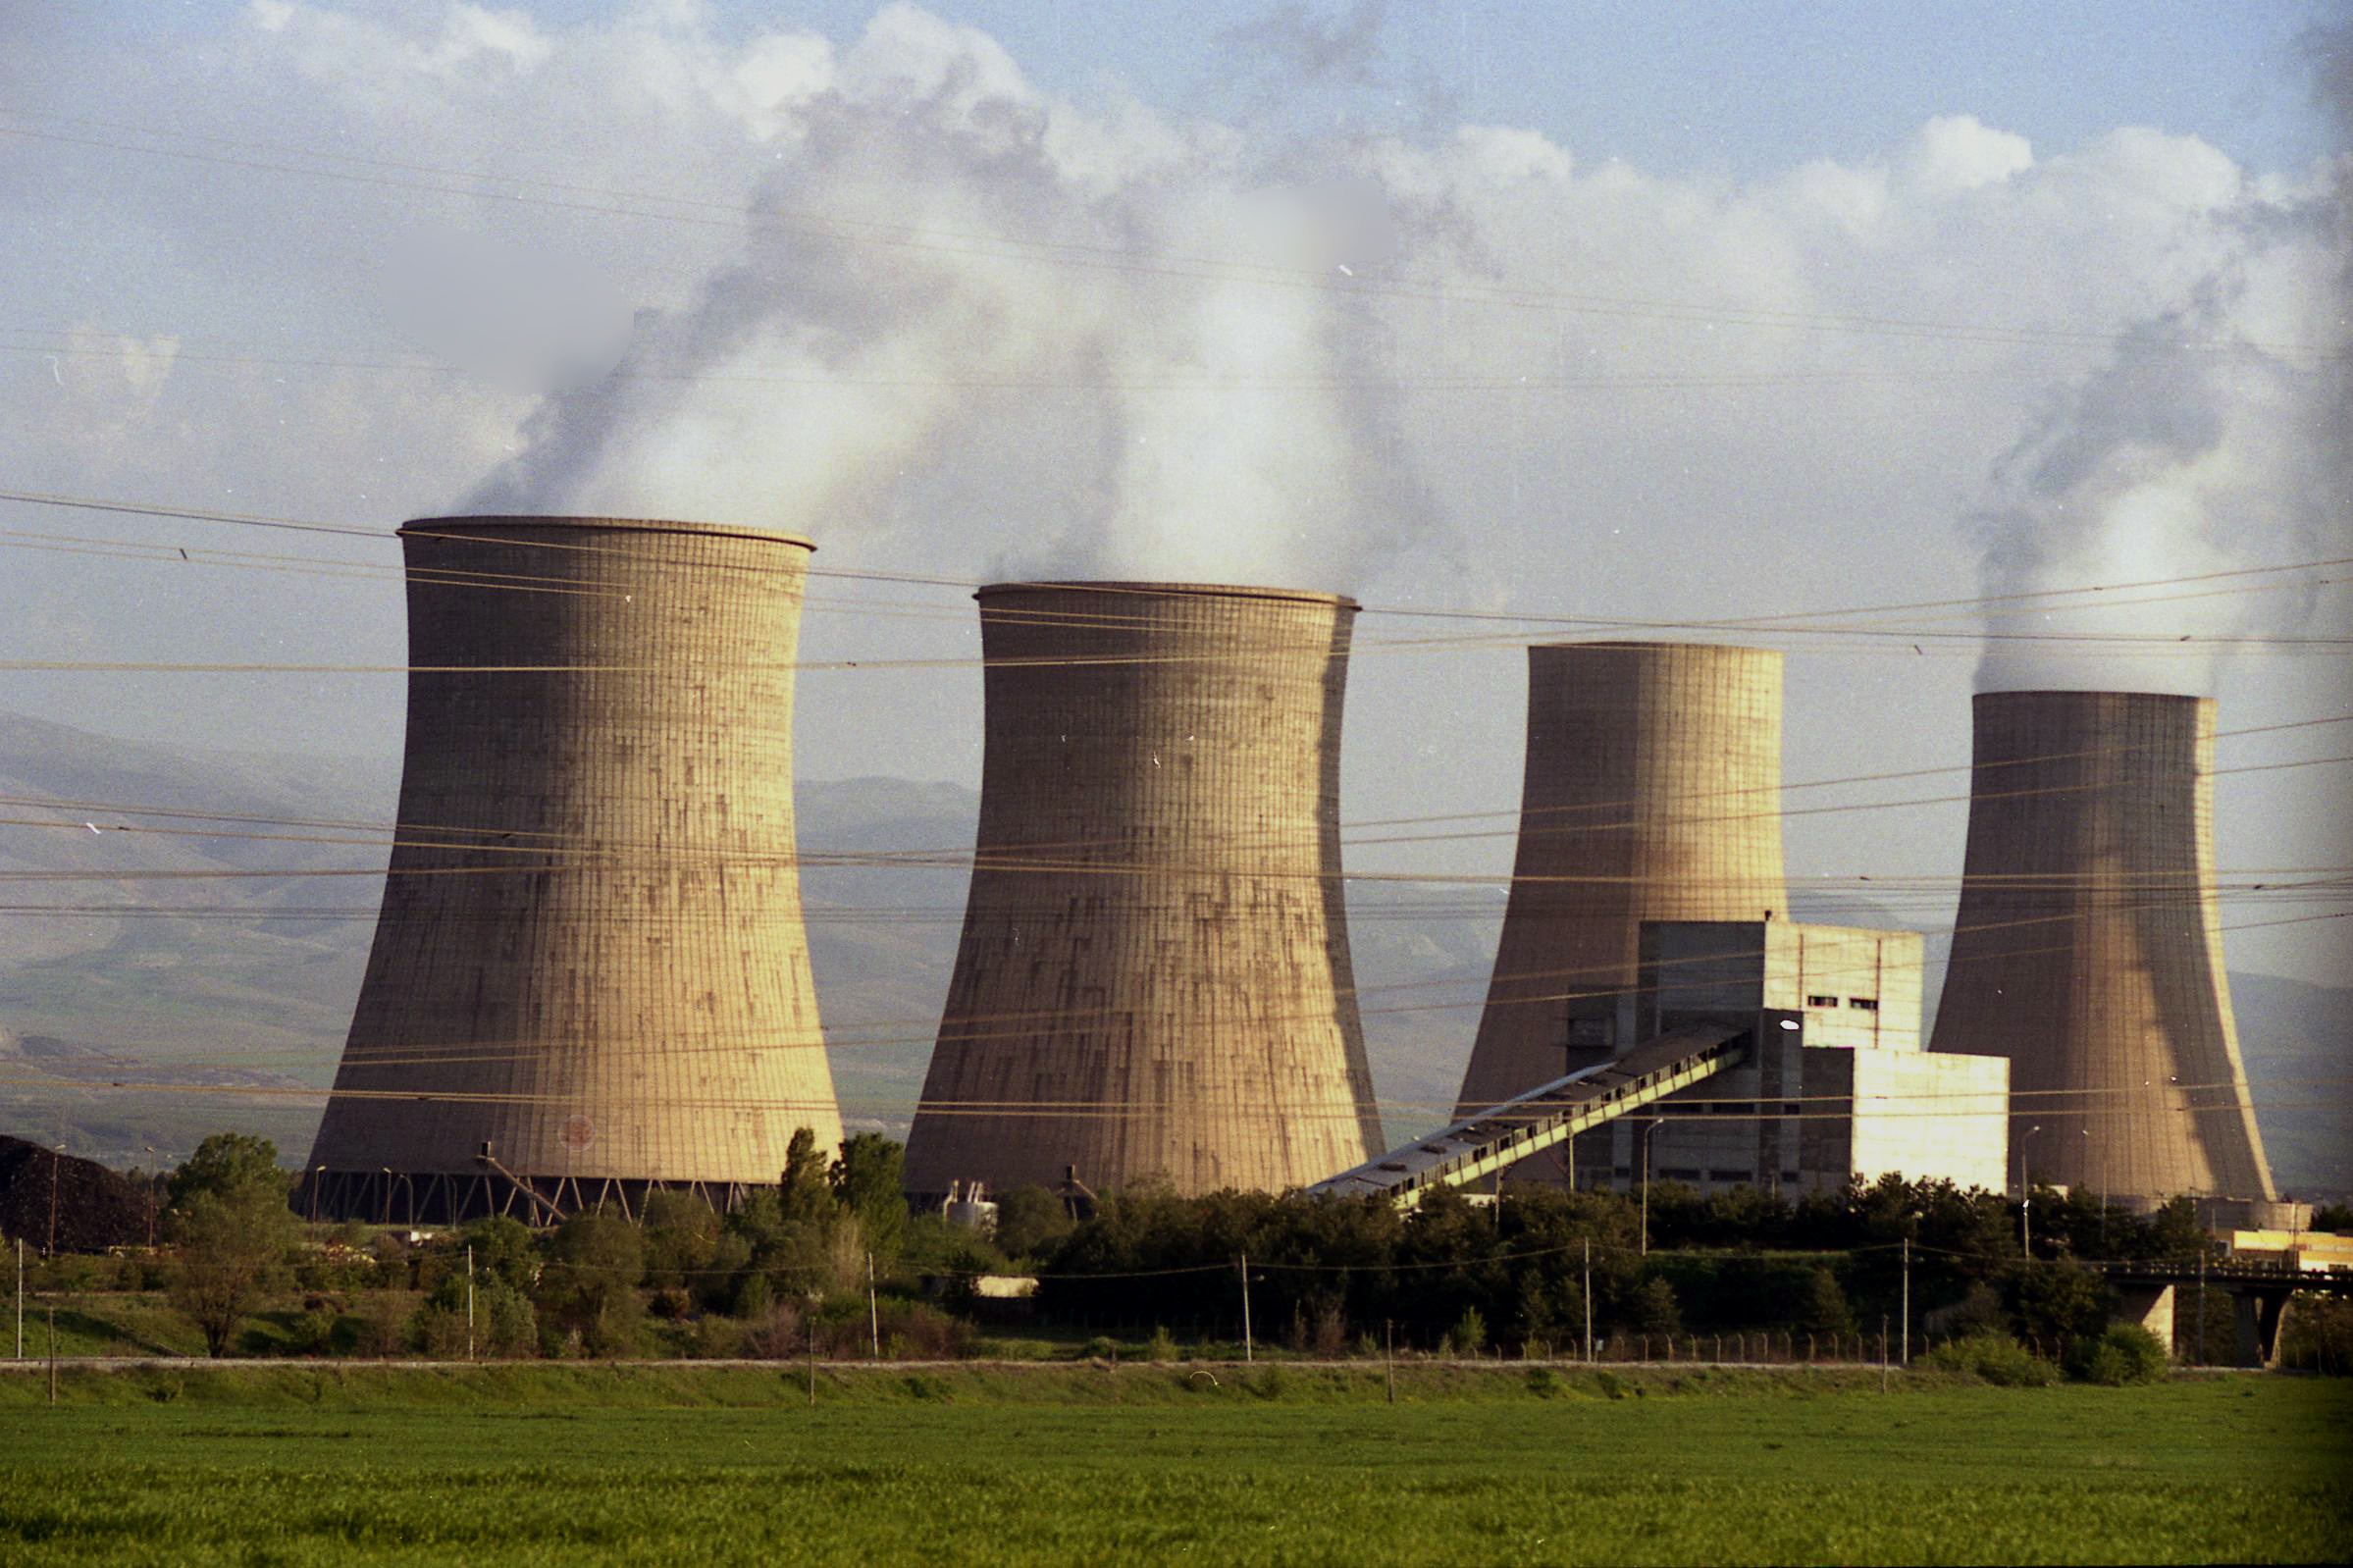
[(825, 1251)]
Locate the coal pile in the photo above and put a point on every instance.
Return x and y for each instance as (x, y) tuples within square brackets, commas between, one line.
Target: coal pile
[(97, 1208)]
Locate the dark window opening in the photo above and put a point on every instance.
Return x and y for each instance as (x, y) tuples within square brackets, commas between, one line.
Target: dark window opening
[(1865, 1003), (1821, 1001)]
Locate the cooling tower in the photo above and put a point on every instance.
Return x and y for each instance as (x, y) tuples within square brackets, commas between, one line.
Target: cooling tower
[(1154, 978), (1652, 793), (2089, 946), (590, 973)]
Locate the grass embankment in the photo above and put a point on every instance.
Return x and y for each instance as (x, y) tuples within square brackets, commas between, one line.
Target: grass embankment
[(568, 1465)]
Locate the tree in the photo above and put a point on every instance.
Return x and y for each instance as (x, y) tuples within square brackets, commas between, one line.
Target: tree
[(589, 1286), (1652, 1308), (807, 1199), (226, 1164), (867, 1181), (230, 1244), (1030, 1221), (681, 1234), (1825, 1311), (503, 1246)]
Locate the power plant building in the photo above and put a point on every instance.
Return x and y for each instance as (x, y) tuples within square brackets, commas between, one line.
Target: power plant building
[(1848, 1095), (1153, 979), (2089, 949), (1652, 791), (590, 975)]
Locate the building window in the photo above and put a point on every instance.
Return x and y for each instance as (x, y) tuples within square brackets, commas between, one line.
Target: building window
[(1731, 1175), (1866, 1004), (1676, 1172), (1821, 1001)]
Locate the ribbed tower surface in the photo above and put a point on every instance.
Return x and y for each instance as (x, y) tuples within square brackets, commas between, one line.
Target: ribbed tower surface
[(1154, 977), (1652, 793), (2090, 948), (591, 953)]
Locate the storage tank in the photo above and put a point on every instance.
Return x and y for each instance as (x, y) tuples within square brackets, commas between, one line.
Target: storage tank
[(1652, 791), (2089, 946), (590, 974), (1153, 979)]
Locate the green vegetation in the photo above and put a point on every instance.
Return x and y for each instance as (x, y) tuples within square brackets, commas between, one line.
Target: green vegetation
[(576, 1464)]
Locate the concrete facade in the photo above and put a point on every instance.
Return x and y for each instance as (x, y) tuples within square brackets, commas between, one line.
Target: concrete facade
[(1847, 1096), (589, 956), (1652, 792), (2089, 946), (1154, 978)]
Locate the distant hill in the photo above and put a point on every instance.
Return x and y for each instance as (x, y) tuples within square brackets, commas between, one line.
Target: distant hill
[(250, 982)]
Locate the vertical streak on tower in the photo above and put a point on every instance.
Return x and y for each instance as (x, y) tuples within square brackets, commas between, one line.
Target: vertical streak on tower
[(590, 954), (1652, 793), (1154, 976), (2089, 946)]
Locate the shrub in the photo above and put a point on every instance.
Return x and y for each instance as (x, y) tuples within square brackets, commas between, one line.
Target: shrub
[(717, 1340), (2124, 1353), (779, 1336), (1162, 1346), (1545, 1382), (1468, 1337), (1993, 1358), (1100, 1348)]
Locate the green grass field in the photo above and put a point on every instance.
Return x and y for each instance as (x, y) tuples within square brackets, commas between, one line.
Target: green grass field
[(1001, 1465)]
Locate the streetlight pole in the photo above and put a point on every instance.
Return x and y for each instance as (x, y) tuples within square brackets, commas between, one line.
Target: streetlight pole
[(2026, 1196), (1649, 1126), (1907, 1353)]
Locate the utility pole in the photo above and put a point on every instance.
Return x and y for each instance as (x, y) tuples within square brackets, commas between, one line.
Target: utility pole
[(874, 1313), (2026, 1196), (1649, 1126), (469, 1301), (1588, 1299), (1908, 1301), (1883, 1352), (812, 1352), (1389, 1356), (57, 1158), (21, 1297), (53, 1352), (1242, 1264)]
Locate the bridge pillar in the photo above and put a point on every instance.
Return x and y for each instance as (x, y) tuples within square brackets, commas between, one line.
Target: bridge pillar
[(2149, 1305), (2259, 1313)]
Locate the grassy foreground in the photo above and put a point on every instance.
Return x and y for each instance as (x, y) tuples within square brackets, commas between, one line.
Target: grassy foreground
[(1006, 1465)]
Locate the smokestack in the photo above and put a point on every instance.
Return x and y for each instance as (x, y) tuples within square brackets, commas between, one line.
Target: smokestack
[(1652, 793), (1154, 977), (2089, 949), (589, 972)]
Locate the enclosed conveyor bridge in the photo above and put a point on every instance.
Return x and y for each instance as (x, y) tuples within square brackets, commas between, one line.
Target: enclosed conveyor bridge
[(1552, 1113)]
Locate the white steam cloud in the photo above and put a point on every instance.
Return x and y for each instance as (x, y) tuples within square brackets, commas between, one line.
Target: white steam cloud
[(2217, 436), (944, 264)]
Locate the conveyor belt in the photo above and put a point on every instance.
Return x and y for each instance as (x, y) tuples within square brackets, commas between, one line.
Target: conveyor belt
[(1552, 1113)]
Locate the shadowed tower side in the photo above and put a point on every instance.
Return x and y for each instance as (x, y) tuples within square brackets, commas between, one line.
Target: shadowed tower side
[(1154, 977), (590, 957), (1652, 793), (2089, 946)]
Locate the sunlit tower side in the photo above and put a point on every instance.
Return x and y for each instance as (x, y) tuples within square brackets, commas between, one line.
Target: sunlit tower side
[(2089, 946), (1652, 792), (1154, 978), (590, 974)]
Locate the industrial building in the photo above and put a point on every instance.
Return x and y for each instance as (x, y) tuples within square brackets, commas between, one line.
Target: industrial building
[(1849, 1095), (1153, 979), (2089, 949), (1652, 791), (590, 974)]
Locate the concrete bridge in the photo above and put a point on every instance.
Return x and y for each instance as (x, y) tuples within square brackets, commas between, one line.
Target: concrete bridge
[(2258, 1292)]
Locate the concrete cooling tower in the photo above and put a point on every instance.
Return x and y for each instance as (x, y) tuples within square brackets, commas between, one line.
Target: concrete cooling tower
[(590, 974), (1652, 793), (1154, 977), (2089, 946)]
